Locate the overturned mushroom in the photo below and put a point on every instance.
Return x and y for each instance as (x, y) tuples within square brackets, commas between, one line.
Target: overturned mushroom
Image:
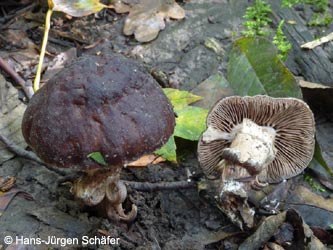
[(253, 141), (103, 103)]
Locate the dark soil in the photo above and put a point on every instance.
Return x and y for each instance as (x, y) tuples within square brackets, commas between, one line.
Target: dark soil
[(171, 219)]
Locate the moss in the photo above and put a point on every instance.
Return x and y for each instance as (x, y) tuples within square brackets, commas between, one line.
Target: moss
[(281, 42), (258, 19)]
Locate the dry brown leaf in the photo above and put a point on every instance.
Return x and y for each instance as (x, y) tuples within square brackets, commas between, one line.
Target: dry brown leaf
[(7, 197), (11, 112), (58, 63), (303, 196), (146, 17), (146, 160), (124, 6), (6, 183)]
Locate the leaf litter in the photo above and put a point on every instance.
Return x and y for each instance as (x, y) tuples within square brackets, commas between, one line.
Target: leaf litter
[(147, 17)]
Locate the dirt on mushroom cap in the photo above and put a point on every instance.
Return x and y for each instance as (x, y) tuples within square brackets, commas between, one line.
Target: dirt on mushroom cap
[(105, 103), (291, 118)]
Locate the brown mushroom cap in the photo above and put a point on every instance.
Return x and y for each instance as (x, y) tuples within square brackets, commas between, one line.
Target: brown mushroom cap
[(107, 104), (291, 119)]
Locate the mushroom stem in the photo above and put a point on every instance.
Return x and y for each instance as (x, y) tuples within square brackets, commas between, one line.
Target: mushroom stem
[(252, 146), (103, 189)]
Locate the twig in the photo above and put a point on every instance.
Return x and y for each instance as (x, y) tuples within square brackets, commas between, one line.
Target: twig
[(11, 17), (18, 150), (149, 187), (317, 42), (28, 91), (11, 146)]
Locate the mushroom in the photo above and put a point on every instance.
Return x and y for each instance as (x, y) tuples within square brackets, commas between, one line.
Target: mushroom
[(101, 103), (252, 141)]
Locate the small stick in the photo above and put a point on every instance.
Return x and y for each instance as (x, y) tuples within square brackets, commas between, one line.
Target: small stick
[(11, 146), (317, 42), (28, 91), (149, 187)]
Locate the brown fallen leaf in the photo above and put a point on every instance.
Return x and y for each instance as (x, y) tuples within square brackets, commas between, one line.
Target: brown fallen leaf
[(146, 160), (286, 229), (304, 196), (315, 209), (6, 183), (146, 17), (11, 113), (124, 6), (6, 198), (325, 236), (58, 63)]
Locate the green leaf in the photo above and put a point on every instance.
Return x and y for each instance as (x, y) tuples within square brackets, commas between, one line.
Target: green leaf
[(168, 151), (190, 121), (97, 157), (76, 8), (180, 98), (254, 68), (320, 159)]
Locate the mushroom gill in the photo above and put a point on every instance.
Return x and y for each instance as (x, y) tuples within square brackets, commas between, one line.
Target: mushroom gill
[(289, 122), (251, 142)]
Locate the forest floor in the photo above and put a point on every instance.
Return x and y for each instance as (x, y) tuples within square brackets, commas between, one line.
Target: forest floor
[(169, 219)]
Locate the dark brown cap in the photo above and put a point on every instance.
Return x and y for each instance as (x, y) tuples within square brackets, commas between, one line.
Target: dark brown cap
[(290, 122), (102, 103)]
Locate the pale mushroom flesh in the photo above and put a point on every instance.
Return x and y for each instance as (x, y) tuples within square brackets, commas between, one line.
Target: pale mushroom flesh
[(102, 188)]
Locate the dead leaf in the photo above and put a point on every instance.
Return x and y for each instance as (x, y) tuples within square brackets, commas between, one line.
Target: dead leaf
[(146, 17), (325, 236), (76, 8), (11, 112), (264, 232), (124, 6), (211, 90), (309, 204), (306, 197), (58, 63), (286, 229), (6, 198), (146, 160), (6, 183), (318, 42)]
